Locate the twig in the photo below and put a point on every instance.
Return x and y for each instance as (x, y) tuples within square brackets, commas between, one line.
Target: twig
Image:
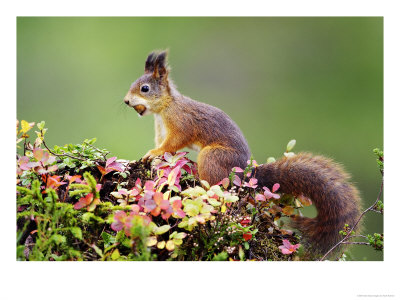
[(355, 225), (359, 235), (74, 157), (95, 148), (356, 243), (24, 146)]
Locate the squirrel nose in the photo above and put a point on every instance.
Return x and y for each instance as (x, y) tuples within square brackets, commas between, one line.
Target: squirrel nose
[(126, 101)]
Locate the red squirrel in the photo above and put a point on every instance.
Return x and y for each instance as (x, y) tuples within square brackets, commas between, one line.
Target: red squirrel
[(182, 122)]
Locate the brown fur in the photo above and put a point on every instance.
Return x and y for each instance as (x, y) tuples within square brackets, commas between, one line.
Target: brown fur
[(326, 183), (185, 122)]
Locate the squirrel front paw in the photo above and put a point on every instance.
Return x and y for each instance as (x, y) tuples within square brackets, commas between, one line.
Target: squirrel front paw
[(151, 154)]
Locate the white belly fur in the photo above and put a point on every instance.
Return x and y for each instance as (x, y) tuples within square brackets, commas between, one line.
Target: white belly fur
[(162, 131), (160, 125)]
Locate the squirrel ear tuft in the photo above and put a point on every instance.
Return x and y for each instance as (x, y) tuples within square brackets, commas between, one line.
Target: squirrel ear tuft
[(149, 66), (160, 65)]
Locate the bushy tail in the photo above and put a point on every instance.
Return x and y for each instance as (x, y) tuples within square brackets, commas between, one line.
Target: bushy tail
[(326, 184)]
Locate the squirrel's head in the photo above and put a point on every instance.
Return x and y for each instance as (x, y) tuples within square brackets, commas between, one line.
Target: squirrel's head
[(150, 93)]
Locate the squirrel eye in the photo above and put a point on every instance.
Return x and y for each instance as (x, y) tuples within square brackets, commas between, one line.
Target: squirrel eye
[(145, 88)]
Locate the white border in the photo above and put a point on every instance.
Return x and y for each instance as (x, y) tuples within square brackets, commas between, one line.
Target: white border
[(326, 280)]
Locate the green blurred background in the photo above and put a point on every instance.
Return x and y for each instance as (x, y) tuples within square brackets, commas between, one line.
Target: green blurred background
[(316, 80)]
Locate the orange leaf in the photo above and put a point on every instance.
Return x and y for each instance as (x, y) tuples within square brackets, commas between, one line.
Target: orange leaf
[(304, 200), (102, 170), (288, 210)]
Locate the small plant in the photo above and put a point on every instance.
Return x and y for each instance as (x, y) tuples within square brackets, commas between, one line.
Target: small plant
[(74, 203)]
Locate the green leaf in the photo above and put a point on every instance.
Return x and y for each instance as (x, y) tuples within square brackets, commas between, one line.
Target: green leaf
[(76, 232), (246, 245), (290, 145), (115, 255), (194, 192), (183, 224), (230, 198), (206, 209), (180, 235), (107, 238), (98, 250), (40, 125), (213, 202), (58, 239), (161, 230), (205, 184), (90, 142), (20, 252), (106, 249), (58, 258), (217, 190), (191, 209), (89, 216), (221, 256), (241, 253)]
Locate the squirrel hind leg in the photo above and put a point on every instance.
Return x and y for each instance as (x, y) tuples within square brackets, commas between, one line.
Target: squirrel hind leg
[(216, 162)]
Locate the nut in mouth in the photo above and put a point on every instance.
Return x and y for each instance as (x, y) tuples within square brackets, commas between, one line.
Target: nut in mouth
[(140, 109)]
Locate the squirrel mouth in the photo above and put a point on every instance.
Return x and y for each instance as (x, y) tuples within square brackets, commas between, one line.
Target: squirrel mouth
[(140, 109)]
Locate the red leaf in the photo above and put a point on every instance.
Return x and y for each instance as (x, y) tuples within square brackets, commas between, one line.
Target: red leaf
[(38, 154), (115, 166), (117, 226), (180, 155), (177, 204), (246, 221), (173, 176), (122, 192), (275, 187), (180, 213), (225, 183), (149, 205), (84, 201), (135, 209), (74, 178), (149, 185), (164, 204), (156, 211), (45, 157), (247, 236), (134, 192), (260, 197), (102, 170), (110, 161), (52, 168), (252, 183), (167, 156), (138, 183), (120, 216), (93, 204), (268, 194), (288, 248), (237, 181), (158, 197), (54, 182), (25, 164)]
